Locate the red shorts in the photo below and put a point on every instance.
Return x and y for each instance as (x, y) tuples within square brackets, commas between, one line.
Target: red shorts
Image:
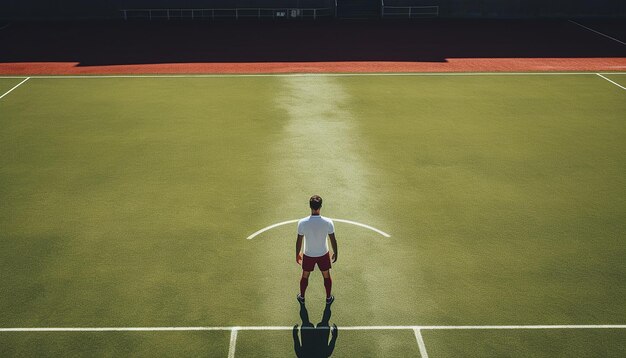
[(323, 262)]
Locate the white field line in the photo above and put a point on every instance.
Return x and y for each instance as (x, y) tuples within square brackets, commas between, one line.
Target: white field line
[(362, 225), (5, 26), (271, 227), (233, 343), (420, 342), (19, 84), (613, 82), (322, 75), (115, 329), (598, 32), (575, 326), (288, 328), (253, 235)]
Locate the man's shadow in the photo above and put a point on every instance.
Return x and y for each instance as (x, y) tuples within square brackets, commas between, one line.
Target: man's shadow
[(314, 338)]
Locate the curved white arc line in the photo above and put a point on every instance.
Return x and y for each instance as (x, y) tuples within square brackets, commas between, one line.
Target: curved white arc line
[(362, 225), (271, 227), (333, 219)]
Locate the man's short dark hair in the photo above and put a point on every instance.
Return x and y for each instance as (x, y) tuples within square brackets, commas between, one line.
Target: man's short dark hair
[(315, 202)]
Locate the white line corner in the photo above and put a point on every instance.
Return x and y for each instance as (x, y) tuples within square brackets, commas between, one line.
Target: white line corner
[(613, 82), (11, 90)]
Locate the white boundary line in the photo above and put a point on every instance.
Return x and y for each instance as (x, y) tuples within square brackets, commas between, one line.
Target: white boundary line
[(288, 328), (252, 236), (597, 32), (574, 326), (233, 343), (235, 330), (420, 342), (19, 84), (613, 82), (321, 75), (270, 228)]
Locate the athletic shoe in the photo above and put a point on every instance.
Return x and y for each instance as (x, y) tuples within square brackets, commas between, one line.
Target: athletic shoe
[(330, 299), (300, 298)]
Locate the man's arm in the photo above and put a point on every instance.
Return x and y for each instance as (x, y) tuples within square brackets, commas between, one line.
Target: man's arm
[(298, 248), (333, 243)]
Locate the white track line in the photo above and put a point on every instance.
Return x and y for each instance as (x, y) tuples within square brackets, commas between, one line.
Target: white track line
[(288, 328), (613, 82), (252, 236), (233, 343), (19, 84), (420, 342), (597, 32), (322, 75)]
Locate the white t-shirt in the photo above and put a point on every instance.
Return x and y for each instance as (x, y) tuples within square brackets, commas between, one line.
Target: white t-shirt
[(315, 228)]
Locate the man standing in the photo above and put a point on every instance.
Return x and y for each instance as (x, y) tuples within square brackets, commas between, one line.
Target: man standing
[(314, 229)]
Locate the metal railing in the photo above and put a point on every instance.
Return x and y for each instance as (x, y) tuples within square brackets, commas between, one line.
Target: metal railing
[(408, 12), (236, 13)]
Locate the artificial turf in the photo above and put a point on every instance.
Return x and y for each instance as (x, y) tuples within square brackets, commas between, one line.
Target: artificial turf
[(127, 201)]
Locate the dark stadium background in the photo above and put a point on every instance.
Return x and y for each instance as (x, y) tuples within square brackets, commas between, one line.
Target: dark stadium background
[(32, 9)]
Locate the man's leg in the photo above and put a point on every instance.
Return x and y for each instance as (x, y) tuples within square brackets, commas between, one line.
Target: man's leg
[(304, 282), (328, 282)]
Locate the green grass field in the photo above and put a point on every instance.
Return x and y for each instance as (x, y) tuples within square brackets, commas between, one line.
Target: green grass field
[(126, 202)]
